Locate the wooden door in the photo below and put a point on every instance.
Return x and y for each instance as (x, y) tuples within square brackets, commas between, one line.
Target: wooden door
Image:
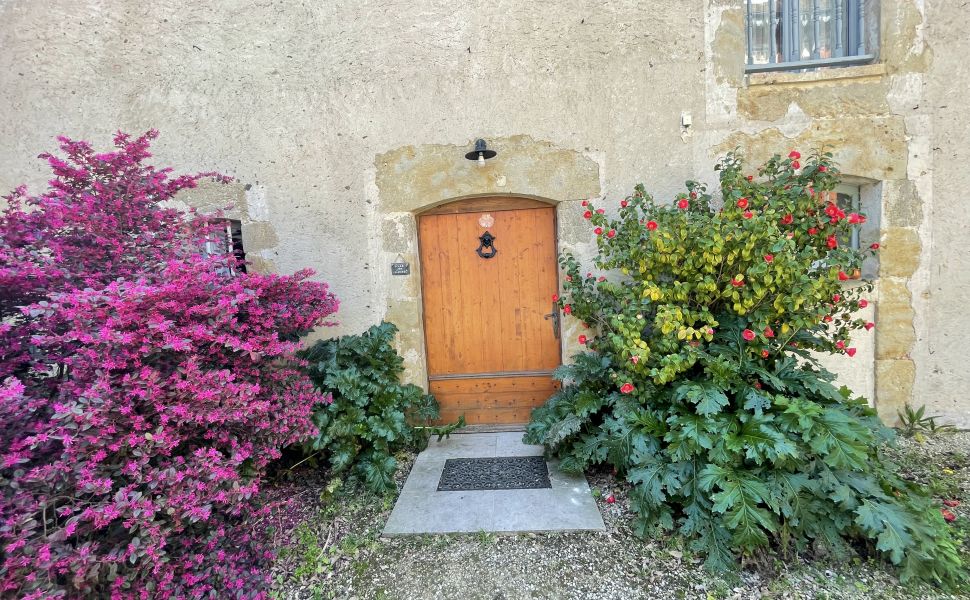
[(490, 342)]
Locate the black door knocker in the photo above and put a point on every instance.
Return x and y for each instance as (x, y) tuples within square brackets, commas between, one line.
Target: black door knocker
[(487, 243)]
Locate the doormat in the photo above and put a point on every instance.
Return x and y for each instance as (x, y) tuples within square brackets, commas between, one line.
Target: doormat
[(505, 473)]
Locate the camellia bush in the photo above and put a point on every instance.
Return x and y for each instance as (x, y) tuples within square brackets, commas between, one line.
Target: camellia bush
[(701, 385), (144, 386)]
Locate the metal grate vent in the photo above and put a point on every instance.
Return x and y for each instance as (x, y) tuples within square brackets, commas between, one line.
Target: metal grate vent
[(504, 473)]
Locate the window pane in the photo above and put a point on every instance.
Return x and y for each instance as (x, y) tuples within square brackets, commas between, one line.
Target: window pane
[(849, 203), (826, 29), (760, 30)]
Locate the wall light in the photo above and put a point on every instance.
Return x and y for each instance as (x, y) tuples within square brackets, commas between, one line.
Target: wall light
[(481, 153)]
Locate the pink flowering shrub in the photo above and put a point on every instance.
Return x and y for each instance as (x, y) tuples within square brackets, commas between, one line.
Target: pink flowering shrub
[(143, 389)]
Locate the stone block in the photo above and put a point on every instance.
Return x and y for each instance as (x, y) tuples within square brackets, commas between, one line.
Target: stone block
[(894, 387), (899, 255)]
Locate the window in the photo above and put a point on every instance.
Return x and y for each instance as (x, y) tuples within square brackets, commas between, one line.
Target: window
[(802, 34), (229, 240)]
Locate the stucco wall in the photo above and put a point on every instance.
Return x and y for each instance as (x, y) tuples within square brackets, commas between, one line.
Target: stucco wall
[(340, 119)]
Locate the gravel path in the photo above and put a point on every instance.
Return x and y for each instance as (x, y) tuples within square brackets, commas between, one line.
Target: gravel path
[(336, 551)]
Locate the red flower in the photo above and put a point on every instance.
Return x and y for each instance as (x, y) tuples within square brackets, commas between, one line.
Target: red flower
[(827, 318), (757, 385), (600, 211), (587, 214), (682, 204), (635, 359), (948, 516), (569, 277), (742, 203), (863, 303), (610, 499), (623, 203), (627, 388), (747, 214), (769, 332), (856, 218), (598, 230), (794, 154), (769, 258), (812, 230), (602, 278), (585, 203), (747, 334), (582, 339), (750, 177), (710, 331), (651, 225), (840, 344), (869, 326), (874, 246), (843, 276), (787, 219), (951, 503), (822, 168), (850, 351), (611, 233), (693, 195), (555, 297), (796, 165), (831, 242), (568, 309), (836, 298), (737, 282), (764, 354)]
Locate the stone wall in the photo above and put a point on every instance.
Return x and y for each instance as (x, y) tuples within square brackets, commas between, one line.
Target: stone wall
[(339, 120)]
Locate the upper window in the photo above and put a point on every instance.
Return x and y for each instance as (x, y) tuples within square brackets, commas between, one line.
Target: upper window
[(227, 239), (803, 34)]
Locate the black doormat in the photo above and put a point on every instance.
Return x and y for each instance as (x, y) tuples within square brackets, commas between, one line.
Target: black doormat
[(504, 473)]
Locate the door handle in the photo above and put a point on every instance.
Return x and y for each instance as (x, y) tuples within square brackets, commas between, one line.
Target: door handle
[(554, 315)]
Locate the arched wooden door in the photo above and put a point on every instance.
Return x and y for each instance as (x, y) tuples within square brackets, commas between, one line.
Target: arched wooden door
[(491, 339)]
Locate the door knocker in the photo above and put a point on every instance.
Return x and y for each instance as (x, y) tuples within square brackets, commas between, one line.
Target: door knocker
[(487, 243)]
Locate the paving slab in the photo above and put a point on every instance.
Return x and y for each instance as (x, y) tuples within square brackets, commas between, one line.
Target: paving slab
[(568, 505)]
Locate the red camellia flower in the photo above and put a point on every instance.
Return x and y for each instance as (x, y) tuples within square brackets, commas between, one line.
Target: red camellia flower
[(836, 298), (569, 277), (635, 359), (600, 211), (747, 334), (869, 326), (742, 203), (840, 344), (585, 203), (948, 516), (812, 230), (856, 218), (796, 165), (850, 351), (582, 339), (555, 297), (750, 177), (693, 195), (764, 354), (651, 225), (587, 214), (951, 503), (874, 246), (682, 204), (794, 154), (769, 332), (623, 203), (757, 385), (843, 276), (787, 219), (769, 258), (710, 331), (831, 242), (567, 309), (598, 230), (737, 282), (601, 278), (611, 233), (863, 303), (822, 168), (747, 214), (610, 499), (627, 388)]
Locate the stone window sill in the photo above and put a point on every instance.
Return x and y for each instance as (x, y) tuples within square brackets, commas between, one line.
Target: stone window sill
[(874, 71)]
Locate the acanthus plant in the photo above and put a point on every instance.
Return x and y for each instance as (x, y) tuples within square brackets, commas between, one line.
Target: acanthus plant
[(144, 388), (701, 387)]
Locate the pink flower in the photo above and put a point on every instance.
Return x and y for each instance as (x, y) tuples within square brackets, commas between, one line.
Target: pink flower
[(822, 168), (840, 344), (869, 326), (812, 230), (610, 499), (582, 339), (874, 246), (742, 203), (794, 154), (635, 359), (567, 309), (747, 214), (600, 211), (611, 233), (682, 204), (623, 203), (769, 332), (651, 225), (765, 354), (843, 276), (863, 303), (598, 231), (748, 334), (948, 516), (832, 242), (585, 202), (850, 351), (626, 388), (836, 298), (796, 165), (555, 297), (588, 214), (768, 258), (787, 219)]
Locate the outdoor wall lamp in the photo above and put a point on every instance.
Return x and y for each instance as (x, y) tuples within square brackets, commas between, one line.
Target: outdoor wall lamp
[(481, 153)]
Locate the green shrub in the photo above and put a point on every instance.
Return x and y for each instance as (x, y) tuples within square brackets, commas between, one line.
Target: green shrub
[(701, 385), (367, 422)]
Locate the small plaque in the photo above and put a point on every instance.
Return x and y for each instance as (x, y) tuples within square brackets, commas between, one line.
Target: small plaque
[(486, 221), (400, 268)]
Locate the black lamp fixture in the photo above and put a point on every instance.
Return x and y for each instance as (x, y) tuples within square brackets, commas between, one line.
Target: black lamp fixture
[(481, 153)]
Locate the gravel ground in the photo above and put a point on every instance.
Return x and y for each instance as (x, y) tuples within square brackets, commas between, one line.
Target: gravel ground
[(330, 547)]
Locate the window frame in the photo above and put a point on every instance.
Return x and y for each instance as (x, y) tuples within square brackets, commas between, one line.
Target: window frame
[(852, 48)]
